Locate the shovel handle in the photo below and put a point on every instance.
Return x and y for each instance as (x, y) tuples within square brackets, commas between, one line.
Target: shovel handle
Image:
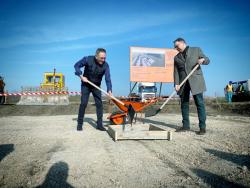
[(100, 89), (183, 82)]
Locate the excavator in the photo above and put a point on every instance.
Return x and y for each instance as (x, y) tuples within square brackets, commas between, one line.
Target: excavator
[(241, 90)]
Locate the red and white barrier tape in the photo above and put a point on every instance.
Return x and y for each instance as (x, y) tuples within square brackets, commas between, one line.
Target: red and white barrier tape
[(54, 93), (41, 93)]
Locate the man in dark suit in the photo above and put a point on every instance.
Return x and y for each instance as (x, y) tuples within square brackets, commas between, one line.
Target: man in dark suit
[(2, 85), (95, 67), (184, 62)]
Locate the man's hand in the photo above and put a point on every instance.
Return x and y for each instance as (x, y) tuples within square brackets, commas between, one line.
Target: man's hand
[(201, 61), (84, 79), (177, 88), (110, 93)]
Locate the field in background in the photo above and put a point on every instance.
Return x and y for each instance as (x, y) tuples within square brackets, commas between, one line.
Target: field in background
[(214, 106)]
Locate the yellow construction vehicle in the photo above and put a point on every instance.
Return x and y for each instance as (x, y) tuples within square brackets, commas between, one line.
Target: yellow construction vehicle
[(53, 81)]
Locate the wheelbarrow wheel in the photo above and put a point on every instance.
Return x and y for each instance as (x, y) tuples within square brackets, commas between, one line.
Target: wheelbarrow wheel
[(117, 120)]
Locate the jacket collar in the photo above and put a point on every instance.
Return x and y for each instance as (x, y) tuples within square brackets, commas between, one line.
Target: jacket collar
[(180, 54)]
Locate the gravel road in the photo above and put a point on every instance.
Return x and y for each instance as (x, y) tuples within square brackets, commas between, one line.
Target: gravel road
[(47, 151)]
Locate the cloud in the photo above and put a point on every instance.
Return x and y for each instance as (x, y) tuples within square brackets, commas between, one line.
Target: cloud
[(88, 45), (78, 30)]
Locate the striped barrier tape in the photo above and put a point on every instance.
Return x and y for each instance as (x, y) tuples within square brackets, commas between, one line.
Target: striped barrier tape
[(41, 93), (49, 93), (56, 93)]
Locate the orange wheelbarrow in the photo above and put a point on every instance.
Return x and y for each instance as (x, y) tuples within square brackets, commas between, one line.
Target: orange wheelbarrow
[(119, 117)]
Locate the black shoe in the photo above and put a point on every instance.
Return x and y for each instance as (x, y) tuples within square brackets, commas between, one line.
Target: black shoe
[(101, 128), (79, 128), (201, 132), (183, 129)]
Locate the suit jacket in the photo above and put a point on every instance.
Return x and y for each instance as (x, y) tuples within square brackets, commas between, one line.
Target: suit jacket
[(182, 67)]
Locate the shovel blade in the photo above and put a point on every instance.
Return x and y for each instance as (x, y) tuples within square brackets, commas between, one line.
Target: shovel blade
[(152, 112)]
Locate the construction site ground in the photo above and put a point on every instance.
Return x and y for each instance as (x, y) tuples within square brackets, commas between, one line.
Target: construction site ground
[(39, 146)]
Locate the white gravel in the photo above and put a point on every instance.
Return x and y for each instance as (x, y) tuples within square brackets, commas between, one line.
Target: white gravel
[(48, 151)]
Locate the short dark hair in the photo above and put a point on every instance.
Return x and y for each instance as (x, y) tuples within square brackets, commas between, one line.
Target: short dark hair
[(98, 50), (179, 40)]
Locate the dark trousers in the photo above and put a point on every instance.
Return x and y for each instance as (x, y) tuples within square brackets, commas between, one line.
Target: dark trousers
[(199, 102), (86, 90)]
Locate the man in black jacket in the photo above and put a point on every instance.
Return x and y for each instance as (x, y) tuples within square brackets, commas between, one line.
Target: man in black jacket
[(95, 67)]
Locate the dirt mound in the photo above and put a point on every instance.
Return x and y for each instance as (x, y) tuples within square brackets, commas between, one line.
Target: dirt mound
[(213, 107)]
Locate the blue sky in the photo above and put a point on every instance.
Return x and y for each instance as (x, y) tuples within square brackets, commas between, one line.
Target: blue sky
[(36, 36)]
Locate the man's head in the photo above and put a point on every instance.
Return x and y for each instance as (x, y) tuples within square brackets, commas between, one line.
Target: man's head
[(230, 82), (100, 55), (180, 44)]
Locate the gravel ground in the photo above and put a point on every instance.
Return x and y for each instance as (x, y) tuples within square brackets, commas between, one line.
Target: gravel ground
[(47, 151)]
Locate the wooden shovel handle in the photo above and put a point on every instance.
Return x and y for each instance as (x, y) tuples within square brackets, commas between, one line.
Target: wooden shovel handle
[(183, 82), (112, 97)]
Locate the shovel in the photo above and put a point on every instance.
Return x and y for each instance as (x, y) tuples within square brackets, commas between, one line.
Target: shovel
[(155, 112), (131, 111)]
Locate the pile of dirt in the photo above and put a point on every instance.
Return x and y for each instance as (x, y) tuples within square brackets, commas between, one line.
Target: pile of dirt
[(11, 109), (213, 108), (242, 108)]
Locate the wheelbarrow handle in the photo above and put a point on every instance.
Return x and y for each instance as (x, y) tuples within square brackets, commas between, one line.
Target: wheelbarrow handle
[(110, 96), (181, 84)]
